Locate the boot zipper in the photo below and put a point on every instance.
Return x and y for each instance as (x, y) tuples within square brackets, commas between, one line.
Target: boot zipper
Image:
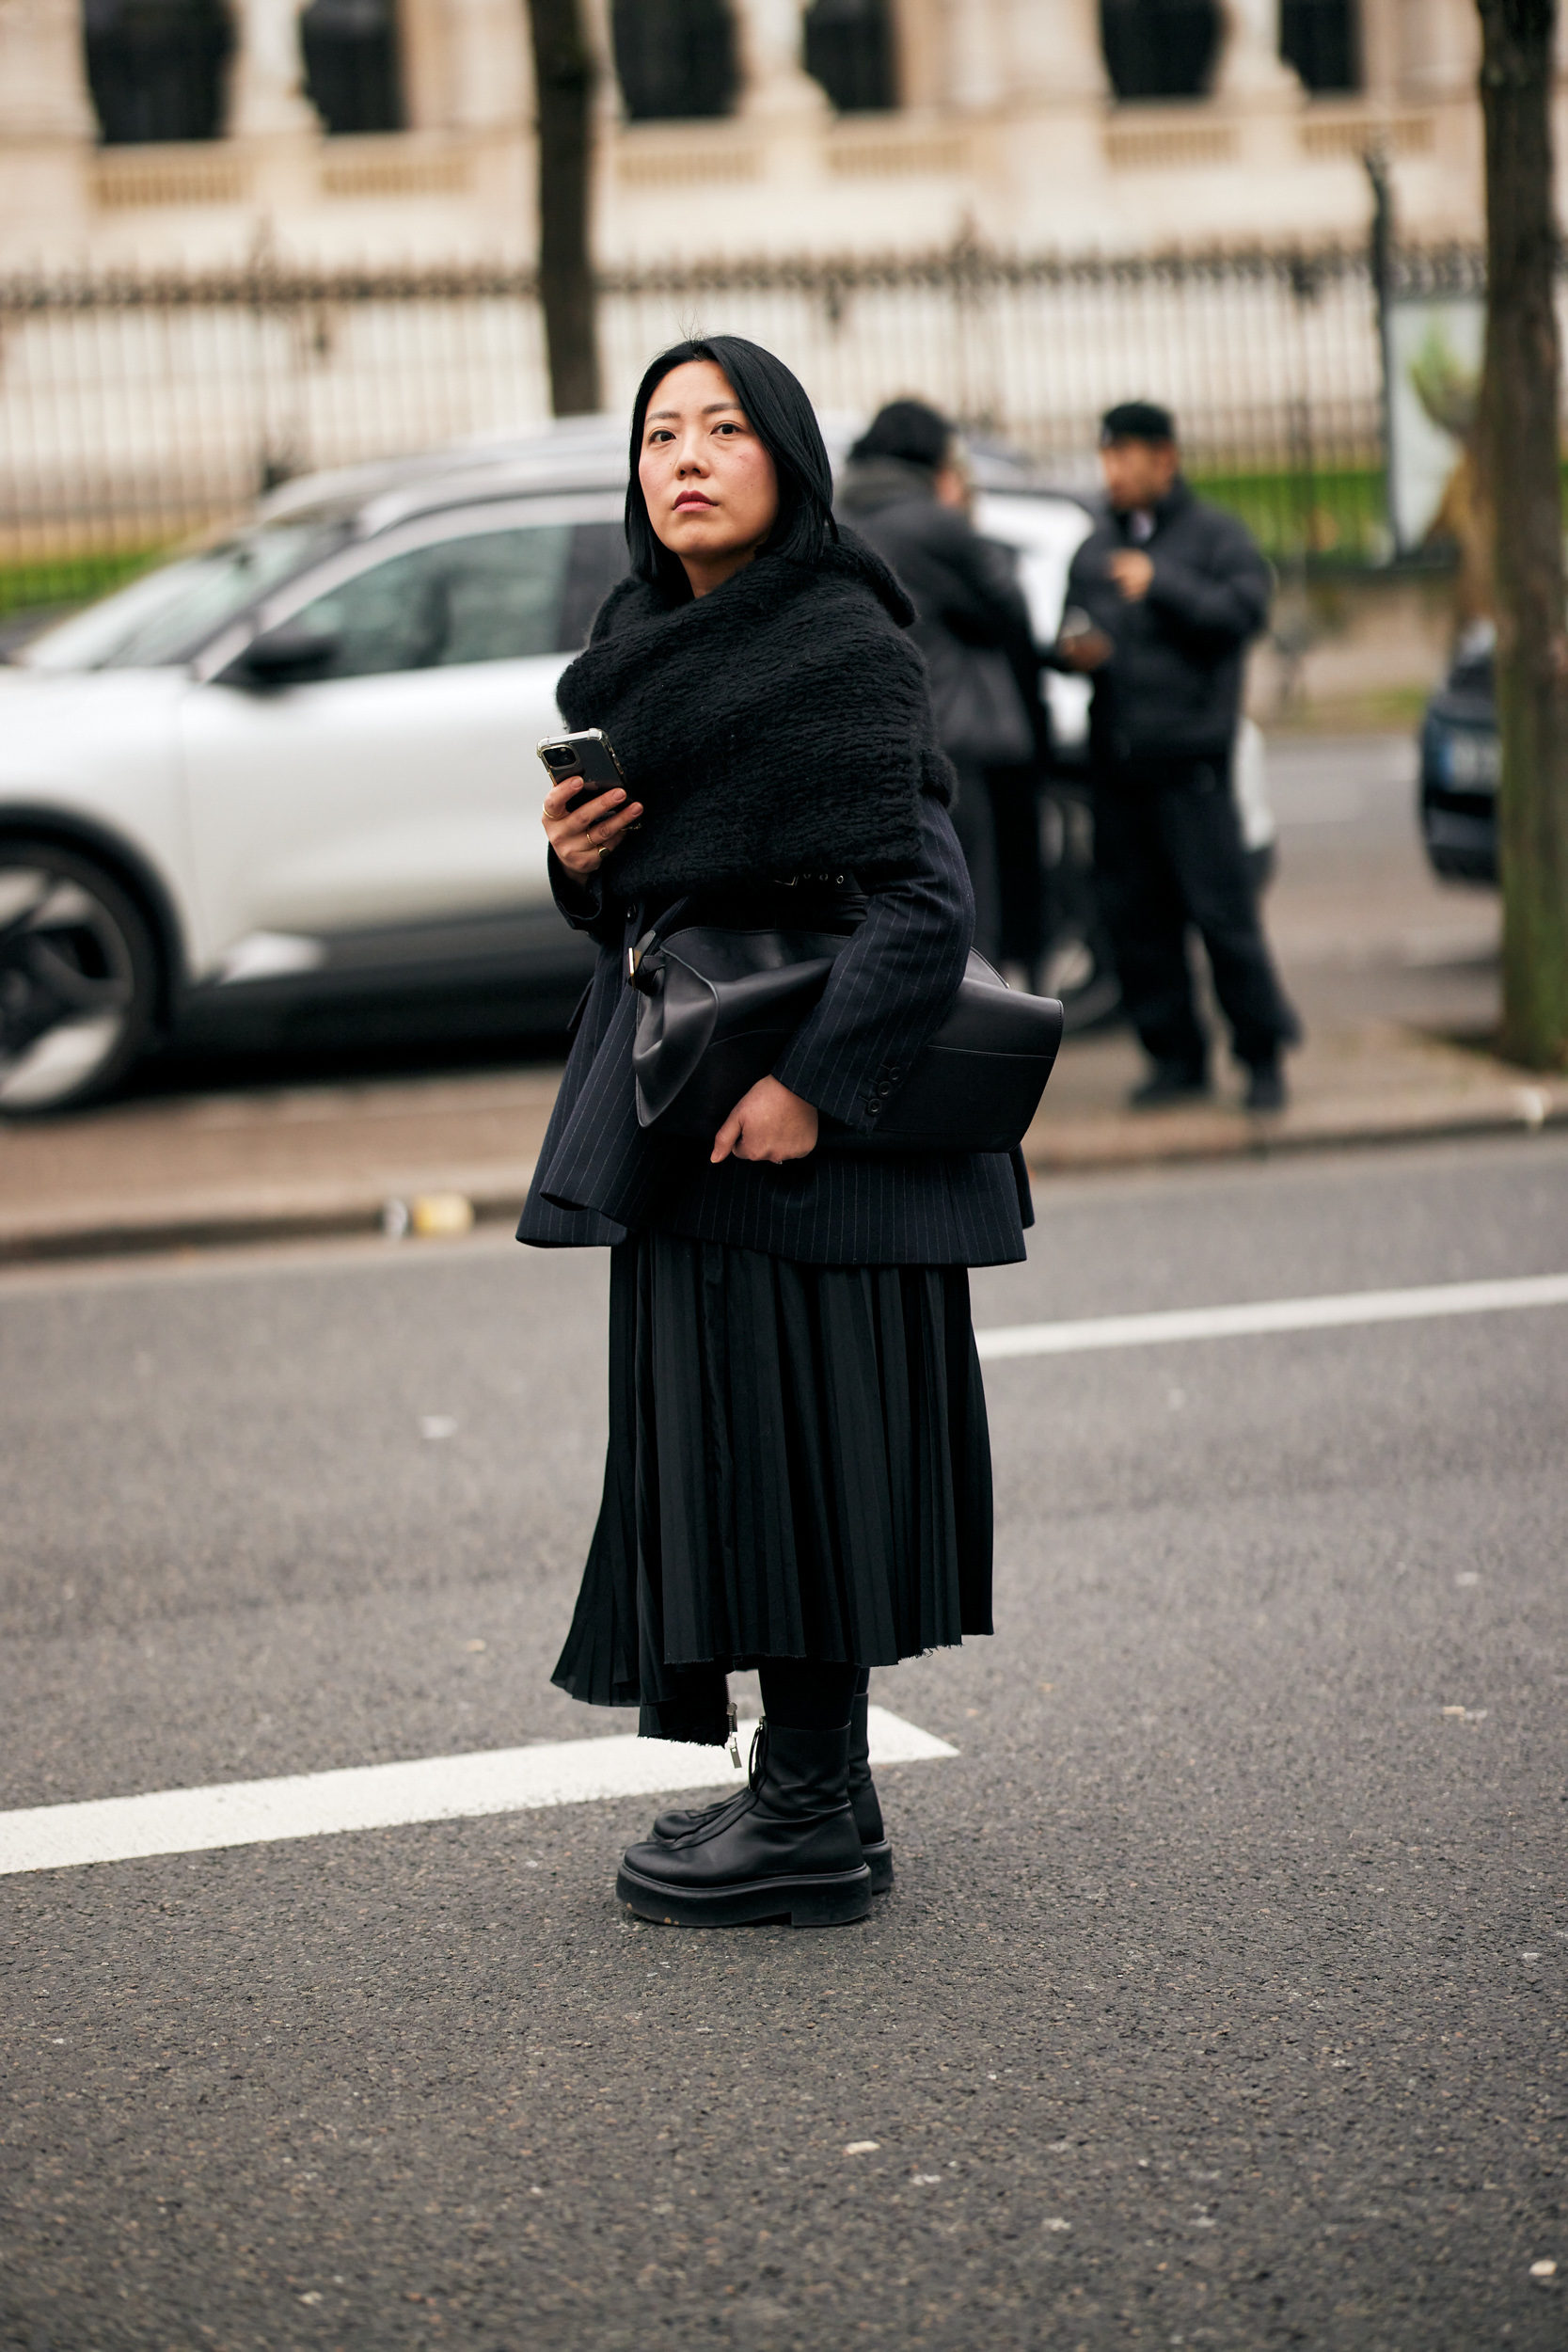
[(734, 1737)]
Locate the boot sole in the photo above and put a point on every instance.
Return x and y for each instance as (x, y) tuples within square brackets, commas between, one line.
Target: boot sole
[(833, 1901)]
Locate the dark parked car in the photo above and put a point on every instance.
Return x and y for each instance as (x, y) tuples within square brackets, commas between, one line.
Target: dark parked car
[(1459, 760)]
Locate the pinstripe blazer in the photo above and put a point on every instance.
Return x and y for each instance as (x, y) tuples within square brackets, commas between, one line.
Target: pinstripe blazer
[(601, 1176)]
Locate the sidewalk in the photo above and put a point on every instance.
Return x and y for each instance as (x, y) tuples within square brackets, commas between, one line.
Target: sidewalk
[(1386, 966)]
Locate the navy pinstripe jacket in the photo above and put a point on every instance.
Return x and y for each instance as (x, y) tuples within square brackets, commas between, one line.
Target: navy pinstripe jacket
[(600, 1176)]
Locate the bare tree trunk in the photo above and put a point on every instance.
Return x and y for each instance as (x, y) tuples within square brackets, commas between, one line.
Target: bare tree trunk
[(563, 76), (1519, 445)]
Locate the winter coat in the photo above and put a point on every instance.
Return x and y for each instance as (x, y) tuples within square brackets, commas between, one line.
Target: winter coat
[(973, 620), (776, 832), (1172, 688)]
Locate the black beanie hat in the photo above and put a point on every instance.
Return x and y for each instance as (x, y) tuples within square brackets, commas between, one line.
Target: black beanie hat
[(910, 430), (1136, 420)]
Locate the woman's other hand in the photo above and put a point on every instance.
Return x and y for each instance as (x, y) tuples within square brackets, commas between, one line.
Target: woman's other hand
[(583, 838), (769, 1123)]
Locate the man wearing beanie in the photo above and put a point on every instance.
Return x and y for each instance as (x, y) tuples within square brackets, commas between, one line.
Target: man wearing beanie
[(1163, 599)]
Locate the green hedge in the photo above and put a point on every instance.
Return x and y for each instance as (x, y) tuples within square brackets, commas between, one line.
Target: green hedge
[(1338, 515), (67, 580)]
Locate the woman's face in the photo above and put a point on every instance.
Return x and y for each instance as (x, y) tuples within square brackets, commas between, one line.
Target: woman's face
[(712, 492)]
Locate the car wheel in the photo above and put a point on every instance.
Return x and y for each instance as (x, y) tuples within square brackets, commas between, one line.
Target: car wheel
[(78, 979)]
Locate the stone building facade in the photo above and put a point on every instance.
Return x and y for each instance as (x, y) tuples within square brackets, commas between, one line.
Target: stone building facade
[(154, 134)]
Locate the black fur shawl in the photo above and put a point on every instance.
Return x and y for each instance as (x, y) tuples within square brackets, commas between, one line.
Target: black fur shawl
[(778, 726)]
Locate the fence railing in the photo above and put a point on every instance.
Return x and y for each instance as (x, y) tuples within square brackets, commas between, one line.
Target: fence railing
[(135, 409)]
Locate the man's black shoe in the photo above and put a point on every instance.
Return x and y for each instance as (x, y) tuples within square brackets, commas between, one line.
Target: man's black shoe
[(1169, 1082), (1265, 1087)]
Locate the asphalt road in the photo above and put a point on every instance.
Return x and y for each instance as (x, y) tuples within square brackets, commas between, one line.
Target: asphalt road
[(1219, 2000)]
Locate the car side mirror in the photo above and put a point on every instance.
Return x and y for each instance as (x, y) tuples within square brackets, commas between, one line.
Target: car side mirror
[(289, 655)]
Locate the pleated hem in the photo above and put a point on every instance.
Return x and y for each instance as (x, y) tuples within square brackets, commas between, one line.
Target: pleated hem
[(799, 1466)]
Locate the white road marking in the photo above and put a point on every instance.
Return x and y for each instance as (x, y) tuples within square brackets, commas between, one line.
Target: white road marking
[(387, 1796), (1273, 1314)]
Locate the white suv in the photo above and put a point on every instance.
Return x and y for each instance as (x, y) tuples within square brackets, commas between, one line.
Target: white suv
[(293, 777)]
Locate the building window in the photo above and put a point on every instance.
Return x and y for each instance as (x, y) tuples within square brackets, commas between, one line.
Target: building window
[(849, 51), (1320, 38), (1160, 48), (155, 68), (675, 60), (351, 64)]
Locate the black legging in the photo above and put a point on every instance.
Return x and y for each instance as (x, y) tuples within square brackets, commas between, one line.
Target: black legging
[(807, 1693)]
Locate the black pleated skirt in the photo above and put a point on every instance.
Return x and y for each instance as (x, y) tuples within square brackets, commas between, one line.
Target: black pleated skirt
[(799, 1466)]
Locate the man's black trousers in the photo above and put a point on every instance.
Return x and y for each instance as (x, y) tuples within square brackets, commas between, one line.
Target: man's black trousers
[(1168, 853)]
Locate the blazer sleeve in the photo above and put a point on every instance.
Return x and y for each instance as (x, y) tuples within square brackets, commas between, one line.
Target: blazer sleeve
[(892, 988), (582, 903)]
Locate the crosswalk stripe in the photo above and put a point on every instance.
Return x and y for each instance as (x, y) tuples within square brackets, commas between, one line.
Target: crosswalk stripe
[(390, 1796), (1273, 1314)]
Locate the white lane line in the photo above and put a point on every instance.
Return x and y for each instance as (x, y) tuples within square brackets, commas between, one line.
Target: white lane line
[(387, 1796), (1273, 1314)]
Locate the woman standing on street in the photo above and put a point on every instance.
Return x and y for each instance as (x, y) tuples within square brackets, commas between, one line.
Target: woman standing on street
[(798, 1469)]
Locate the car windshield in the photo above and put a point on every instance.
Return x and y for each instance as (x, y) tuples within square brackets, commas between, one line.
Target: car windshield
[(169, 615)]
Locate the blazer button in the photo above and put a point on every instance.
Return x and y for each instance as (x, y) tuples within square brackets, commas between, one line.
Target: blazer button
[(884, 1086)]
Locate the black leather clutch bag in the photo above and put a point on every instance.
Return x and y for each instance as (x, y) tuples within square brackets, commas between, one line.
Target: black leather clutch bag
[(719, 1005)]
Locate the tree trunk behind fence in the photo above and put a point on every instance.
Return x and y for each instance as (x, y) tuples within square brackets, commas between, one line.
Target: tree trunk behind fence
[(564, 75), (1522, 459)]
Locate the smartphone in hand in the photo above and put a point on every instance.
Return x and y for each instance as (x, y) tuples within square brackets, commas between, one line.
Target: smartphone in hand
[(586, 753)]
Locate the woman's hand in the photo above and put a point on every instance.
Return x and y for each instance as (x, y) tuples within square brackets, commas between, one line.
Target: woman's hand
[(584, 839), (769, 1123)]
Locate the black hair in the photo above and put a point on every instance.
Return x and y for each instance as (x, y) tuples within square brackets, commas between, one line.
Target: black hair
[(1136, 420), (908, 429), (775, 406)]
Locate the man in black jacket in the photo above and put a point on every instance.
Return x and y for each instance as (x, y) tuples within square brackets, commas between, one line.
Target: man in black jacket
[(904, 491), (1162, 599)]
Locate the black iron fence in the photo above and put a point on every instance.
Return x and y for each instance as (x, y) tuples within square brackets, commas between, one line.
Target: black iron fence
[(136, 409)]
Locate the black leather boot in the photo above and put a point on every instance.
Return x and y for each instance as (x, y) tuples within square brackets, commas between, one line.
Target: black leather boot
[(677, 1822), (784, 1848), (876, 1847)]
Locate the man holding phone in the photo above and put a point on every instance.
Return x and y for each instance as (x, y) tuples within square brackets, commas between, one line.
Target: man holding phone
[(1162, 599)]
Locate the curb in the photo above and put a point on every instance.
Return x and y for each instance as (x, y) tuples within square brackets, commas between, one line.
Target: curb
[(1156, 1138), (1084, 1146), (281, 1213)]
